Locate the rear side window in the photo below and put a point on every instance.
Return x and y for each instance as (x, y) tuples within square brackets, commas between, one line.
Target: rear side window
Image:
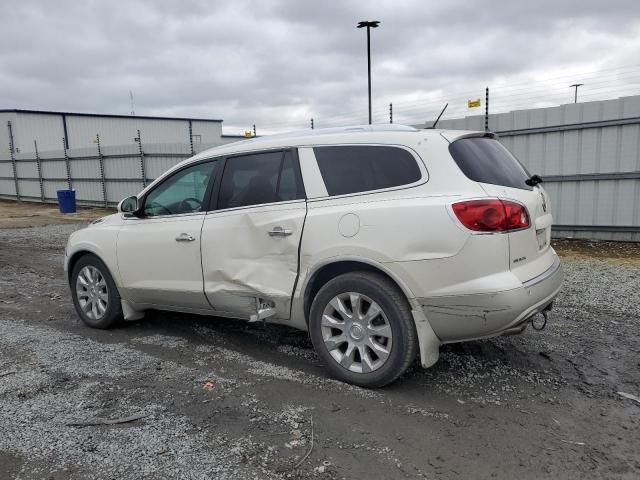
[(361, 168), (259, 178), (486, 160)]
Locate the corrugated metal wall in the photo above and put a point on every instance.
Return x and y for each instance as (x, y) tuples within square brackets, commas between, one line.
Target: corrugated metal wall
[(123, 167), (589, 156)]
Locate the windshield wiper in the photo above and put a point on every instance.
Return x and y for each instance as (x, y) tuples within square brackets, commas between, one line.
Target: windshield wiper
[(533, 180)]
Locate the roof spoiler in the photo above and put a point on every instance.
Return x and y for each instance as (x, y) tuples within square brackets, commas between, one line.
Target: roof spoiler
[(450, 135)]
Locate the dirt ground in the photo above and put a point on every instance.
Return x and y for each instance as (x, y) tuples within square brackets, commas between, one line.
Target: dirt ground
[(214, 398), (32, 214)]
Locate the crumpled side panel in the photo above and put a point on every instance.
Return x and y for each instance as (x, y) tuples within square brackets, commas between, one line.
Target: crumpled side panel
[(243, 263)]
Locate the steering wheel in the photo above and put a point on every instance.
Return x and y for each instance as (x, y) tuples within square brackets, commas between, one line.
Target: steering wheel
[(158, 209), (186, 206)]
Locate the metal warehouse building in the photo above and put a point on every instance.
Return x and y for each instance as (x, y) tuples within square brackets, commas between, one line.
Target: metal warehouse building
[(104, 158), (79, 130)]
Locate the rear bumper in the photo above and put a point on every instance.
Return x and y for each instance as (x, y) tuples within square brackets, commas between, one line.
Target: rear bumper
[(467, 317)]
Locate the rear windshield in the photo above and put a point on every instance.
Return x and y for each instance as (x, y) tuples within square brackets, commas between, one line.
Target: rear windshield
[(485, 160)]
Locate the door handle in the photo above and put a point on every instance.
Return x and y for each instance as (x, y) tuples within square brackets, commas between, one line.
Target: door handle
[(279, 232), (184, 237)]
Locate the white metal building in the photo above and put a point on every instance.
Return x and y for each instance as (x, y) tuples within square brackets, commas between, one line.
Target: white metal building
[(80, 129)]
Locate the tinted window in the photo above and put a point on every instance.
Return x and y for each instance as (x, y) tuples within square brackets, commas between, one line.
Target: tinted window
[(182, 192), (289, 188), (259, 178), (486, 160), (351, 169)]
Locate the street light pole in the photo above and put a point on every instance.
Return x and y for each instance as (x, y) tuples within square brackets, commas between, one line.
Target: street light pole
[(575, 96), (369, 24)]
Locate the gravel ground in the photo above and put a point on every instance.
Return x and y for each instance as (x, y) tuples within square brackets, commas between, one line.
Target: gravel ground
[(217, 398)]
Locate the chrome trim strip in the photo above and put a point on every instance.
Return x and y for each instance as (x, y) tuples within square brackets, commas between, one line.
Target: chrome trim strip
[(544, 275)]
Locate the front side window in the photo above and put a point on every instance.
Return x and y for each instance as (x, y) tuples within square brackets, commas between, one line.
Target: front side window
[(183, 192), (361, 168), (259, 178)]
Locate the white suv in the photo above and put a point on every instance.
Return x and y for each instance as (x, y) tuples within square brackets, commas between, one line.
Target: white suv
[(382, 241)]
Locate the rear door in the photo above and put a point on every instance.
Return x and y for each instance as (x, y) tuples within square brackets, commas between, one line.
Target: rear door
[(250, 241), (487, 161)]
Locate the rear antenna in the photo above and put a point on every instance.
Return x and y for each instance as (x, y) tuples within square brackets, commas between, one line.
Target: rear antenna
[(438, 119)]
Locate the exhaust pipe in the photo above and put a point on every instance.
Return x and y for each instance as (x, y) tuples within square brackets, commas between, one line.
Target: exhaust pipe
[(538, 323), (515, 330)]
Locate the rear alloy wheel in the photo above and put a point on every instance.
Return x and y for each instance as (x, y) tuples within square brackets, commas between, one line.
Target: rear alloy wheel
[(95, 295), (361, 327), (356, 332)]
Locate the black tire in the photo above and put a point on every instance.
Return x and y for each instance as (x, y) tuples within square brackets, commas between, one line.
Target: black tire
[(393, 303), (113, 313)]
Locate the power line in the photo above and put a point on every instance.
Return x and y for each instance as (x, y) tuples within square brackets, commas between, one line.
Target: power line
[(532, 94)]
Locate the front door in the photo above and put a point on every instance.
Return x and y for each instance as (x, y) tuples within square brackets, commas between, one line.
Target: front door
[(159, 251), (250, 242)]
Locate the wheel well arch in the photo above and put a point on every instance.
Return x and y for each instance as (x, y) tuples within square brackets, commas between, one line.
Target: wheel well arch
[(77, 256), (327, 272)]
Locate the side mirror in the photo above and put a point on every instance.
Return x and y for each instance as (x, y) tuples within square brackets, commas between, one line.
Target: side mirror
[(129, 206)]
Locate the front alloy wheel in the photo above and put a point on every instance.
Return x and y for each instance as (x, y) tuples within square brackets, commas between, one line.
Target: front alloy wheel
[(94, 293)]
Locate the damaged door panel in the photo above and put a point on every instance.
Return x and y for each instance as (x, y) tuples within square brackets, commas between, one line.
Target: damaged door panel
[(247, 269), (250, 242)]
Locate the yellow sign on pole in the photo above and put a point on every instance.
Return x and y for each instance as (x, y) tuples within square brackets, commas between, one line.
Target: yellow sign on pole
[(474, 103)]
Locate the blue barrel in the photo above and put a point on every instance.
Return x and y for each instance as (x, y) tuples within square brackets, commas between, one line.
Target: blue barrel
[(67, 201)]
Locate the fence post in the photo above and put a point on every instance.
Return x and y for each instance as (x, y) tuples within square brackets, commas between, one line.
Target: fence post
[(391, 113), (13, 160), (39, 166), (143, 170), (191, 136), (312, 124), (101, 163), (486, 109), (67, 163), (254, 130)]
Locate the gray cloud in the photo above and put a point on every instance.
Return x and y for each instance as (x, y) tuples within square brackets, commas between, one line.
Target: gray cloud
[(278, 63)]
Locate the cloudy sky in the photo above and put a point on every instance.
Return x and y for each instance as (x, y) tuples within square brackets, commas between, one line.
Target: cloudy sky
[(279, 63)]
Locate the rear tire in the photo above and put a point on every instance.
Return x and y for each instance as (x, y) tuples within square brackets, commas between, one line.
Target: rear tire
[(95, 295), (362, 328)]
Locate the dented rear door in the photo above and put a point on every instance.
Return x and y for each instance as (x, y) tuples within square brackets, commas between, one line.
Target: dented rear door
[(250, 242)]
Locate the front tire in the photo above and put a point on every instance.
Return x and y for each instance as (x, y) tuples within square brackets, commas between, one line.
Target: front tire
[(94, 293), (362, 328)]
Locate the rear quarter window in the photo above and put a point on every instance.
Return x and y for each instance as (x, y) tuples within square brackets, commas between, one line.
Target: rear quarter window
[(486, 160), (361, 168)]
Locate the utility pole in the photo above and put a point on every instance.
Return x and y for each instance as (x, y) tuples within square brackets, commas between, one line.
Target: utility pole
[(254, 130), (369, 24), (133, 112), (391, 113), (575, 96), (312, 124)]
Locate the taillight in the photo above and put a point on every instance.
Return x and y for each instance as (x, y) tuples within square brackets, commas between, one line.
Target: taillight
[(491, 215)]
